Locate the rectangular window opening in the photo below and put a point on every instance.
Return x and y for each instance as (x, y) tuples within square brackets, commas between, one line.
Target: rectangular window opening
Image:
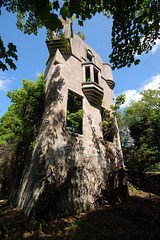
[(96, 75), (107, 125), (88, 77), (75, 113), (89, 56)]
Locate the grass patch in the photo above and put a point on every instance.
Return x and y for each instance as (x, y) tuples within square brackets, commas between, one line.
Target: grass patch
[(134, 190)]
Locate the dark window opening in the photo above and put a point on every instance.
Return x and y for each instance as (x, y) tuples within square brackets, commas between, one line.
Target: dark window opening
[(74, 113), (88, 77), (89, 56), (107, 125), (96, 75)]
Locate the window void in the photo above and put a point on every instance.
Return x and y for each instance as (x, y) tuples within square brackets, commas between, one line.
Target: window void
[(89, 56), (95, 75), (107, 125), (74, 113), (87, 74)]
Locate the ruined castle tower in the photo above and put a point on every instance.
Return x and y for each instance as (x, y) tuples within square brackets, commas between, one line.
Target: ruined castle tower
[(71, 160)]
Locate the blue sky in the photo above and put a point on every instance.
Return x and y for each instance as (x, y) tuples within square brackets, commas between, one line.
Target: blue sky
[(33, 53)]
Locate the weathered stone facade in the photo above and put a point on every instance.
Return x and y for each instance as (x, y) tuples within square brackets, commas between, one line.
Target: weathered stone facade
[(67, 171)]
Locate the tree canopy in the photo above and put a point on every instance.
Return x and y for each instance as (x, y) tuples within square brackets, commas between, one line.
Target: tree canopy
[(141, 122), (19, 124), (135, 24)]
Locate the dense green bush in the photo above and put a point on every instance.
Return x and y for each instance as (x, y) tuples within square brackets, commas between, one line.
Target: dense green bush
[(19, 125), (140, 130)]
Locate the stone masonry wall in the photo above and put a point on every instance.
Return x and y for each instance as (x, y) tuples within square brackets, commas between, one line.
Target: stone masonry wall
[(67, 171)]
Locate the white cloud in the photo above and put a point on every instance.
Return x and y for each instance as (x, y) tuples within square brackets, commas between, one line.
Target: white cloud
[(131, 94), (151, 83), (4, 82), (156, 46), (134, 94)]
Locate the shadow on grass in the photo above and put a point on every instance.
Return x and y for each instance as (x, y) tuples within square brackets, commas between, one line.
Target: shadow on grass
[(139, 218)]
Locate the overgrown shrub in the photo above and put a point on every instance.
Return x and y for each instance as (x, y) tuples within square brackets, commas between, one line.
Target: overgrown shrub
[(19, 125)]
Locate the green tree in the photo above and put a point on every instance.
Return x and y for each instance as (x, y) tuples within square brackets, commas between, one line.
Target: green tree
[(135, 23), (109, 118), (142, 119), (120, 100), (20, 123), (7, 56), (126, 139)]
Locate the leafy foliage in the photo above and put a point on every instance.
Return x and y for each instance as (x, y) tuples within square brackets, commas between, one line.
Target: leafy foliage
[(74, 121), (20, 123), (126, 139), (108, 118), (74, 114), (7, 55), (107, 125), (61, 35), (143, 121), (120, 100), (135, 29), (81, 35), (135, 22)]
